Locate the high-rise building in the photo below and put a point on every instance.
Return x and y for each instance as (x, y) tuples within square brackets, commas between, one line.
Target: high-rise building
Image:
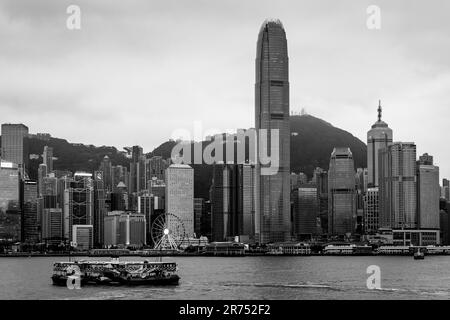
[(52, 192), (137, 170), (47, 156), (30, 232), (272, 219), (341, 193), (224, 204), (155, 167), (247, 199), (232, 201), (78, 203), (361, 179), (320, 179), (52, 226), (83, 236), (398, 186), (146, 206), (132, 228), (306, 220), (100, 207), (107, 172), (371, 220), (10, 213), (125, 229), (445, 191), (180, 195), (157, 188), (444, 222), (42, 173), (14, 144), (428, 193), (119, 198), (120, 174), (379, 137), (111, 229), (199, 209)]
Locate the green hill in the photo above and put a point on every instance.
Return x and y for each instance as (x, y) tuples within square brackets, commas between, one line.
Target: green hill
[(312, 142)]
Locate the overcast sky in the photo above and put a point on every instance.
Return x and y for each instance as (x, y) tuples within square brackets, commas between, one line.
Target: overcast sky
[(139, 70)]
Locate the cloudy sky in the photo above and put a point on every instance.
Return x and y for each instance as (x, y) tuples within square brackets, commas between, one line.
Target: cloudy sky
[(139, 70)]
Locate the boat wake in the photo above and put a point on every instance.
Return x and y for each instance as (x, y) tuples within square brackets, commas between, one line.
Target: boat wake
[(278, 285), (441, 293)]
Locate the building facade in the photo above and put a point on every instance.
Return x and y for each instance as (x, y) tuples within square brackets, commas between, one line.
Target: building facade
[(379, 137), (272, 212), (428, 193), (10, 211), (398, 186), (180, 195), (306, 218), (341, 192), (14, 144), (371, 221)]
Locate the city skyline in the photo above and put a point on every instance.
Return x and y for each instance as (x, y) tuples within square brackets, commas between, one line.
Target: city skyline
[(353, 81)]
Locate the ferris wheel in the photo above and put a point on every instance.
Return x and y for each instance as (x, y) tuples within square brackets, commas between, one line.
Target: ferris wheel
[(167, 232)]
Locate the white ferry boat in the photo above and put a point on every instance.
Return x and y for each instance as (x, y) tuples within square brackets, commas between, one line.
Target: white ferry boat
[(116, 272)]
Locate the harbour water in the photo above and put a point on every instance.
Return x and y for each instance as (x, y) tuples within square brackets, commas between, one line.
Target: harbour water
[(265, 277)]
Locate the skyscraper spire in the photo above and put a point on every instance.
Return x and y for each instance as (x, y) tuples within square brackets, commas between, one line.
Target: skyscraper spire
[(379, 110)]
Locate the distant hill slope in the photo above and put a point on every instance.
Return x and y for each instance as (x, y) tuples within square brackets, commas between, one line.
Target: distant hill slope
[(315, 141), (312, 142), (73, 157)]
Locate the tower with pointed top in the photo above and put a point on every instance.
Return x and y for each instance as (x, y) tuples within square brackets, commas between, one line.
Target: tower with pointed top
[(272, 207), (378, 137)]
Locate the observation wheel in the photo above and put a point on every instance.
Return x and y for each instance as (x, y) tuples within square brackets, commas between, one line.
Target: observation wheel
[(167, 232)]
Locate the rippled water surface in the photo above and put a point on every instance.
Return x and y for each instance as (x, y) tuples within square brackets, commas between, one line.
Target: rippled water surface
[(249, 278)]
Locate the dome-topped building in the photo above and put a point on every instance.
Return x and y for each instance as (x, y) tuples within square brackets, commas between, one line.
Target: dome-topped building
[(380, 136)]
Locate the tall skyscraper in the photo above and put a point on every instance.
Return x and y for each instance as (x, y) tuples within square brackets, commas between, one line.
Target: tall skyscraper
[(224, 201), (428, 193), (180, 195), (14, 144), (29, 194), (320, 179), (107, 173), (155, 167), (305, 218), (42, 174), (47, 156), (232, 201), (52, 226), (377, 138), (272, 219), (341, 191), (119, 174), (137, 170), (398, 186), (199, 209), (82, 236), (10, 215), (100, 207), (445, 191), (125, 229), (78, 203), (371, 211)]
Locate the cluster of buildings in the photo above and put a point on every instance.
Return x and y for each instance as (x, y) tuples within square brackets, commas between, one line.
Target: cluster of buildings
[(113, 206), (395, 200)]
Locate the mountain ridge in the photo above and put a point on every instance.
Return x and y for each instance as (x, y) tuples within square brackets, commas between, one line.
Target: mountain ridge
[(312, 141)]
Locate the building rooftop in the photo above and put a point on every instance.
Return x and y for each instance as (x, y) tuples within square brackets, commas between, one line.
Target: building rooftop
[(181, 165)]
